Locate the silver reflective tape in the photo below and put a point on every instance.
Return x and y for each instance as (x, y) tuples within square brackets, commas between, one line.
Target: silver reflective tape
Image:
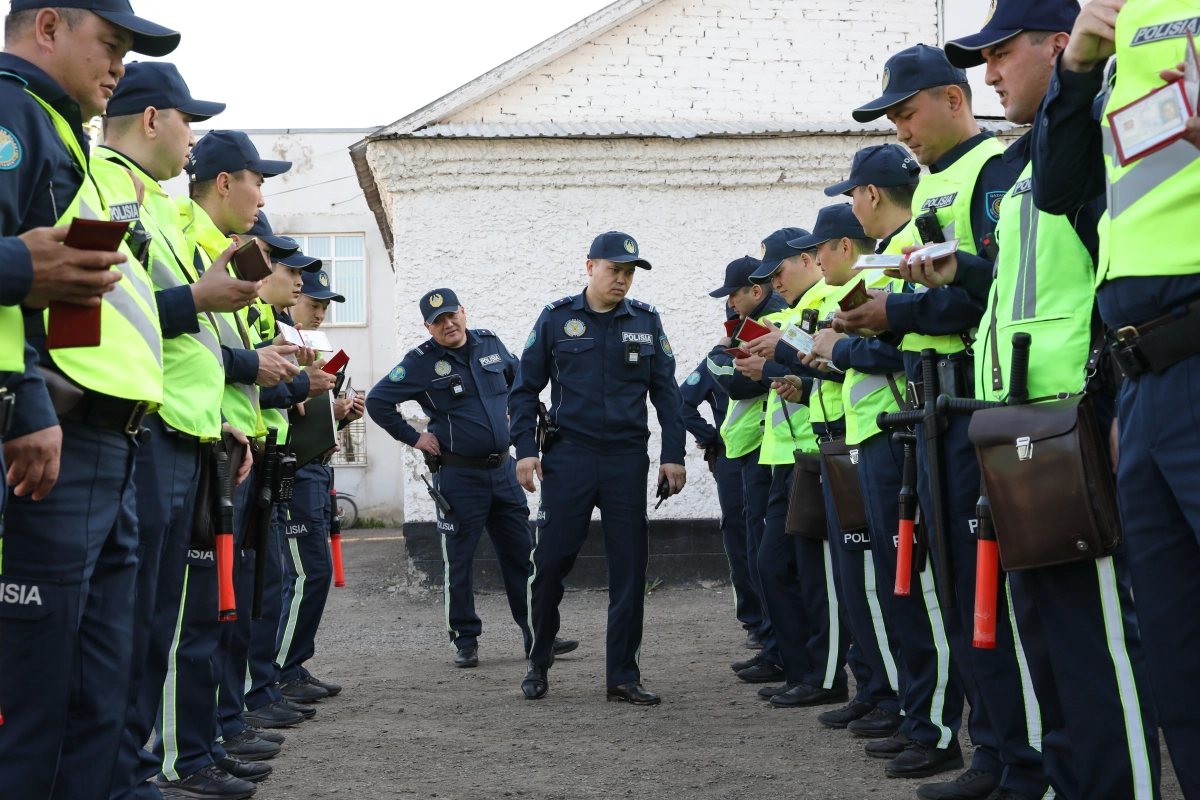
[(866, 387), (127, 307), (1149, 173), (1030, 308), (740, 408)]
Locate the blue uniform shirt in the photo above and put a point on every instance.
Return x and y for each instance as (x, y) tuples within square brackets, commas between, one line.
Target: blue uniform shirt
[(701, 387), (474, 424), (597, 399)]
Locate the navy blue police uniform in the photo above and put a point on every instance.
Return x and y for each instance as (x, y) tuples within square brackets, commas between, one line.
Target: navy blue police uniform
[(67, 612), (1006, 743), (600, 367), (931, 695), (698, 388), (465, 393)]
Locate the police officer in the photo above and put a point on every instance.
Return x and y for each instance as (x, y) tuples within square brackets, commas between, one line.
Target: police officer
[(882, 181), (928, 101), (742, 432), (225, 195), (1092, 683), (699, 388), (1148, 283), (70, 557), (602, 354), (307, 561), (462, 378)]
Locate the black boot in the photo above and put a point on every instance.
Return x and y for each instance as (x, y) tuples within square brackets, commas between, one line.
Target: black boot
[(247, 771), (249, 747), (841, 717), (207, 783)]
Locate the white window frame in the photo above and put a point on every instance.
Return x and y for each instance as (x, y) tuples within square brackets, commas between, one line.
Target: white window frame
[(330, 266)]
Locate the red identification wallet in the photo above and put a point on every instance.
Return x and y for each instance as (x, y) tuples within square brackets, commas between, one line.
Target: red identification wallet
[(336, 363), (79, 326)]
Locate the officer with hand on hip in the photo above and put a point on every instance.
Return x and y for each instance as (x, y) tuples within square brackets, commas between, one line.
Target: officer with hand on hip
[(461, 378), (602, 354)]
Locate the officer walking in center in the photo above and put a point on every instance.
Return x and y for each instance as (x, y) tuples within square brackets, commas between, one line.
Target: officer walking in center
[(461, 378), (602, 354)]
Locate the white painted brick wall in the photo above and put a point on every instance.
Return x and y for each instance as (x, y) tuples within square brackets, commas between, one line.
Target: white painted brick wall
[(759, 60)]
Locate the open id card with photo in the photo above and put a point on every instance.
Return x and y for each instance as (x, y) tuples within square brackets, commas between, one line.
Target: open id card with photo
[(795, 337), (1148, 125), (317, 340), (934, 251)]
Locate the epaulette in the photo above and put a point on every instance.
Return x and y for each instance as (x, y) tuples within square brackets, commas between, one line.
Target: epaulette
[(484, 332), (643, 306), (557, 303), (15, 77), (422, 349)]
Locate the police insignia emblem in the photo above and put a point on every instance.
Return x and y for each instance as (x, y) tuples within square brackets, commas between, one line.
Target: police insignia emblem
[(764, 251), (993, 205), (10, 150), (532, 338), (442, 368), (887, 77), (574, 327), (991, 12), (396, 375), (693, 379), (324, 279), (436, 301), (666, 346), (630, 247)]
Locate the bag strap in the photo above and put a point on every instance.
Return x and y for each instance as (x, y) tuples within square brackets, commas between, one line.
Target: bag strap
[(824, 413), (900, 400), (997, 373)]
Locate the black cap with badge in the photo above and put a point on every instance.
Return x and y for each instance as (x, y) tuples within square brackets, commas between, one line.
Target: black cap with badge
[(1007, 18), (157, 84), (908, 72), (281, 246), (879, 165), (833, 222), (438, 302), (775, 249), (148, 38), (229, 151), (737, 276), (316, 286), (620, 248)]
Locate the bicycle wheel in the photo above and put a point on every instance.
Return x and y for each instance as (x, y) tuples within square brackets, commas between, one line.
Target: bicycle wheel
[(347, 512)]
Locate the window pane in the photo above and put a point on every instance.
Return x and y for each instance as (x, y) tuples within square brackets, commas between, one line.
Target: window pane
[(349, 247), (318, 247), (349, 280)]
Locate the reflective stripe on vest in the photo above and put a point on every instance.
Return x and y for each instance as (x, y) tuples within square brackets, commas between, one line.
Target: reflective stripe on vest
[(1152, 199), (868, 395), (128, 361), (12, 339)]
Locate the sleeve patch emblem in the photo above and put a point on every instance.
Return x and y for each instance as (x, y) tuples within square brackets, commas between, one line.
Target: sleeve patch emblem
[(693, 379), (666, 346), (993, 205), (396, 375), (10, 150), (532, 338)]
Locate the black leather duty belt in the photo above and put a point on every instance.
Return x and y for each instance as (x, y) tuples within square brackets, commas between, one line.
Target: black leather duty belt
[(110, 413), (462, 462), (1159, 344)]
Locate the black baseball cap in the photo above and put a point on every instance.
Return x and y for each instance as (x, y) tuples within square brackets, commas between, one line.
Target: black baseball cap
[(908, 72), (148, 38), (281, 246), (157, 84), (1007, 18), (229, 151), (316, 286), (833, 222), (737, 276), (618, 247), (438, 302), (775, 249), (879, 165)]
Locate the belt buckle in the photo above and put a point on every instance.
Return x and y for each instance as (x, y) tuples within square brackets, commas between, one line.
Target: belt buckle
[(493, 461), (136, 417), (8, 404), (1127, 335)]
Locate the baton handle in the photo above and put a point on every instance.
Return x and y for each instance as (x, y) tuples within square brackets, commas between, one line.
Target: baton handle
[(899, 419), (961, 406), (1018, 392), (987, 578), (335, 543)]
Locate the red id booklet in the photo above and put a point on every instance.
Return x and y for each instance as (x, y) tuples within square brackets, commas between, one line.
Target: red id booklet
[(337, 362), (751, 330), (79, 326)]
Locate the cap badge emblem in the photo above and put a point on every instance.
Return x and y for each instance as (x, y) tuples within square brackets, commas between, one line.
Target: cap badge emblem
[(435, 301), (991, 12), (764, 251), (442, 368), (324, 280), (887, 77), (574, 328), (630, 247)]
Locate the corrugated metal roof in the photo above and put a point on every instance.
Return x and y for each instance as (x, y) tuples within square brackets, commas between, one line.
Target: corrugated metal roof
[(672, 129)]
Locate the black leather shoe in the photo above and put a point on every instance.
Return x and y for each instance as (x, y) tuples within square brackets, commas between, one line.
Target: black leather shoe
[(767, 692), (535, 685), (332, 688), (208, 783), (922, 760), (564, 646), (763, 672), (305, 711), (802, 695), (249, 747), (274, 715), (301, 691), (888, 748), (752, 641), (270, 736), (841, 717), (879, 724), (753, 661), (467, 657), (633, 693), (245, 770)]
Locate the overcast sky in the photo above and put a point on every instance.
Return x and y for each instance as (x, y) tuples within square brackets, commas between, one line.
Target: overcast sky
[(346, 63)]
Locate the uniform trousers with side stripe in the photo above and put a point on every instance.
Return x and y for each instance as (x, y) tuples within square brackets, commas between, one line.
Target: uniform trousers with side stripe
[(756, 494), (307, 570)]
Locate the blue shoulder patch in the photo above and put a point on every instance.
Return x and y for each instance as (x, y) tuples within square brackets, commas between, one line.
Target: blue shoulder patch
[(643, 306), (993, 205), (10, 150), (557, 303), (484, 332)]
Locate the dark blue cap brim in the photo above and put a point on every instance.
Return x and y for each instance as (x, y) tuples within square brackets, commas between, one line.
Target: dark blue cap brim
[(201, 110), (879, 106), (280, 247), (637, 262), (437, 313), (968, 51), (269, 169), (845, 187), (724, 291), (325, 294), (301, 261), (149, 39), (809, 242), (764, 273)]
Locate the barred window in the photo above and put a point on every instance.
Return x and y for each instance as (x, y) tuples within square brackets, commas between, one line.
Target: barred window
[(353, 441)]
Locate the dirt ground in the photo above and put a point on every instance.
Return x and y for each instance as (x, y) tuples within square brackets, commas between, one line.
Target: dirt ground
[(408, 724)]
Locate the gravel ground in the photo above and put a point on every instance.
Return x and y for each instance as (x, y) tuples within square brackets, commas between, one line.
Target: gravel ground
[(409, 724)]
